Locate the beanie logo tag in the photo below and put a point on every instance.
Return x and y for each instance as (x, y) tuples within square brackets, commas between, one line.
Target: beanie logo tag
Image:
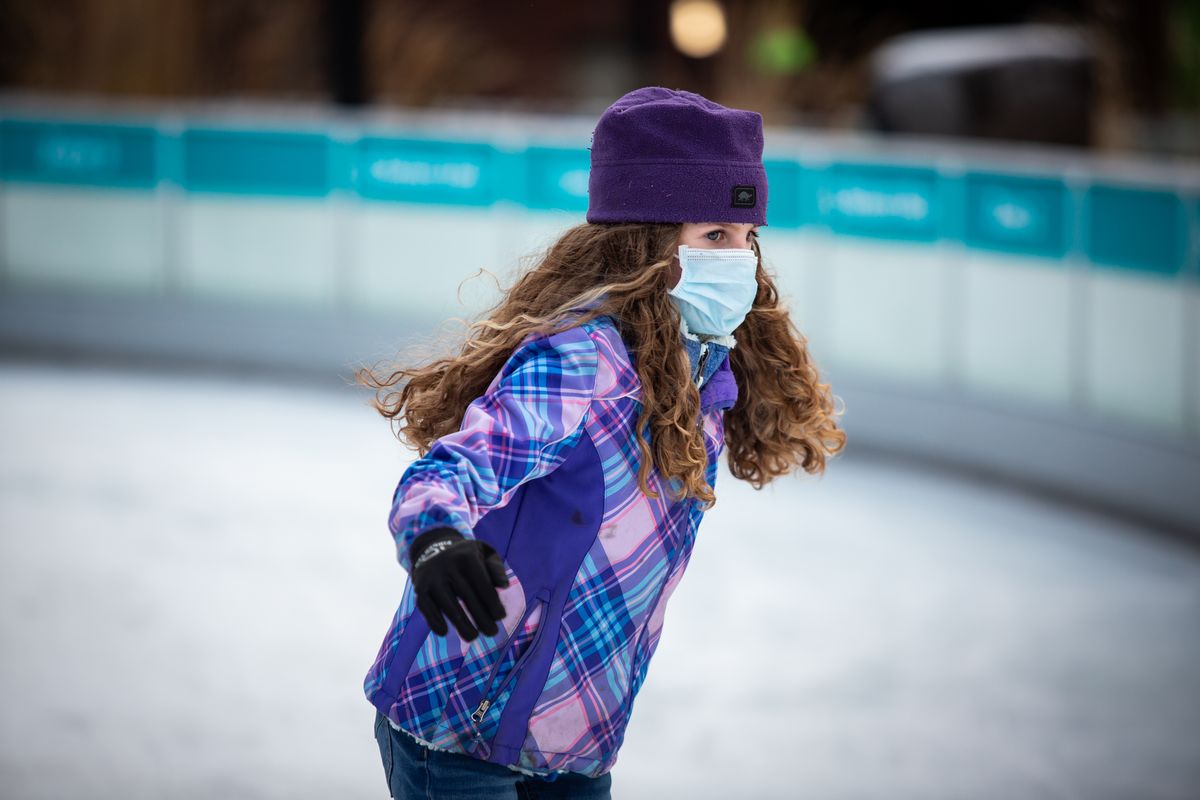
[(744, 197)]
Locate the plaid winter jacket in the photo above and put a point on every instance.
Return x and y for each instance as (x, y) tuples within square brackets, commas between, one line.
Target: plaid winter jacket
[(544, 469)]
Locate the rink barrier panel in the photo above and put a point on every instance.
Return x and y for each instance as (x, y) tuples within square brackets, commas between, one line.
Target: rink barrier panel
[(1040, 282)]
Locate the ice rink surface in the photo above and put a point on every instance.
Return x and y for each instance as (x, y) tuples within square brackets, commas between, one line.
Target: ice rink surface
[(196, 574)]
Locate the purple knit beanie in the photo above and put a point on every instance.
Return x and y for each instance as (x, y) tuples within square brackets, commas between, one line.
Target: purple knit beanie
[(661, 155)]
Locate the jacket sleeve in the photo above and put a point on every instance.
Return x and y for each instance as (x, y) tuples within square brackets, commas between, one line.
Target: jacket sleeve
[(521, 428)]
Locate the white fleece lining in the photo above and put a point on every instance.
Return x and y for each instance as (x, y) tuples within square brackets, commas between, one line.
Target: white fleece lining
[(727, 341)]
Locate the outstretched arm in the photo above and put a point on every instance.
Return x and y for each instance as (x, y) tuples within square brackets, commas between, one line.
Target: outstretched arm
[(520, 429)]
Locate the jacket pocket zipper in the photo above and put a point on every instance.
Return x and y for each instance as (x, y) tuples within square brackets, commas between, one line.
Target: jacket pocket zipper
[(488, 693)]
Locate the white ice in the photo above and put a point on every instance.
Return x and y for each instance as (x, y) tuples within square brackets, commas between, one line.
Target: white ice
[(196, 574)]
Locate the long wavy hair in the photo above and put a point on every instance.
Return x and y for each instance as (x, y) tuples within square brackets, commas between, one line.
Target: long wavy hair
[(784, 416)]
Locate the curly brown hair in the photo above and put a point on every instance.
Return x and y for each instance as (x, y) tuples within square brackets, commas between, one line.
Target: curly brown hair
[(784, 416)]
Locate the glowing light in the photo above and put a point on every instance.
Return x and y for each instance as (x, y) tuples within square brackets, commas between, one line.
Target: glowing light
[(698, 27)]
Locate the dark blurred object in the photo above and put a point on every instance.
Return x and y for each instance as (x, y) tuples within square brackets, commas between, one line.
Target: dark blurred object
[(345, 21), (1028, 82)]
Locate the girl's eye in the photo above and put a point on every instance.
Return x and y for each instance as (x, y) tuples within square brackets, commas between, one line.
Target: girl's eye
[(713, 236)]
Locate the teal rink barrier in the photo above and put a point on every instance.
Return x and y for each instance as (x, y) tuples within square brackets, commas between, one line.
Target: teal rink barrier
[(1131, 227), (1033, 313)]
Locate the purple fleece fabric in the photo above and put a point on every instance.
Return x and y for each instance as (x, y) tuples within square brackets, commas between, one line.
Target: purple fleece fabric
[(662, 155)]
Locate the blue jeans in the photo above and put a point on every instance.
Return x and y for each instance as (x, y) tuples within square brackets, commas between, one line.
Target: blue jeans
[(415, 771)]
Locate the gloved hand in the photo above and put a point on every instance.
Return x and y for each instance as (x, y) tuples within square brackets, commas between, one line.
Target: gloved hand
[(447, 566)]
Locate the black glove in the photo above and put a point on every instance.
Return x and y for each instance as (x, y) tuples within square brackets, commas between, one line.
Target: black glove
[(447, 566)]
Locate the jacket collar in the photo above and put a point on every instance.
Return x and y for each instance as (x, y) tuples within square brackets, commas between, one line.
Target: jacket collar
[(709, 359), (711, 373)]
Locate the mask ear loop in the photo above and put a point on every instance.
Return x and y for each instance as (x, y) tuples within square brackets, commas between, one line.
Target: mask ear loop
[(759, 267), (680, 253)]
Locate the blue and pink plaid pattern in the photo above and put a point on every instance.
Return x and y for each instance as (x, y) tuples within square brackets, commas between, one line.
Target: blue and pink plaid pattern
[(553, 690), (515, 432)]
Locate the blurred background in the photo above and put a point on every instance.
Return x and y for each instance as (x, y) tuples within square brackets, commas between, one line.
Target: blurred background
[(985, 218)]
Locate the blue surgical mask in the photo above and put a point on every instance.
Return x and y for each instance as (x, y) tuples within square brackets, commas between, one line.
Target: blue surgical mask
[(716, 288)]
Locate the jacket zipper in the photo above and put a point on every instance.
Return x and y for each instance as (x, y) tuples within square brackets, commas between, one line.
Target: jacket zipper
[(703, 358), (634, 665), (488, 693)]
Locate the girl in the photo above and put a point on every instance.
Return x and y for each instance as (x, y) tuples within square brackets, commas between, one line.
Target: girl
[(569, 451)]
